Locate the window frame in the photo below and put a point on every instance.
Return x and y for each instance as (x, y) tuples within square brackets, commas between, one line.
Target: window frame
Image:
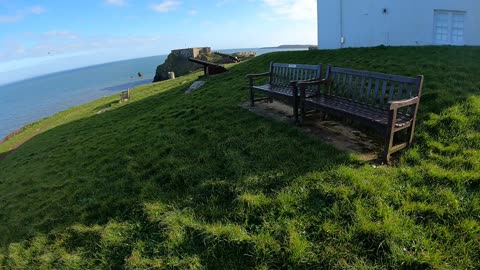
[(450, 27)]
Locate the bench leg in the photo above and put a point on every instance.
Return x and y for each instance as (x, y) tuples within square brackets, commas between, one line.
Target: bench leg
[(295, 102), (295, 109), (389, 135), (302, 113), (252, 98), (410, 131), (388, 146)]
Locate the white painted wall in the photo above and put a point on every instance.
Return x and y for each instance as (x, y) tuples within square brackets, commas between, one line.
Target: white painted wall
[(407, 22)]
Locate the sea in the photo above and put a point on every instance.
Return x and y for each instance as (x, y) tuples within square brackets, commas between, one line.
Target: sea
[(30, 100)]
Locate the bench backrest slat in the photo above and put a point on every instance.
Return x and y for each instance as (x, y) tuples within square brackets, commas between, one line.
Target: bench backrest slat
[(362, 88), (400, 92), (335, 84), (344, 82), (384, 91), (356, 89), (410, 90), (376, 75), (392, 91), (349, 87), (375, 93), (370, 88), (270, 77), (281, 74), (307, 73)]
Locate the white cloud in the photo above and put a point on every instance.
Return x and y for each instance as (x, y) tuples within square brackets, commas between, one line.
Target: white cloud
[(119, 3), (193, 12), (34, 10), (294, 9), (61, 42), (10, 19), (165, 6), (60, 34), (221, 3), (21, 14)]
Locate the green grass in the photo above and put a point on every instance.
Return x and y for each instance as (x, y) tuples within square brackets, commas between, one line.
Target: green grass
[(174, 181)]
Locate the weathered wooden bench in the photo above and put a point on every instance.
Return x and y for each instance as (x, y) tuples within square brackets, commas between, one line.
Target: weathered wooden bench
[(388, 103), (125, 95), (282, 80), (209, 68)]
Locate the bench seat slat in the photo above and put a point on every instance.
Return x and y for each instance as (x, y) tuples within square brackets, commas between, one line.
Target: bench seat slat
[(275, 88), (278, 89), (378, 116)]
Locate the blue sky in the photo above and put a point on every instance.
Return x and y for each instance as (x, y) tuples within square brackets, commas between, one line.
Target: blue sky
[(38, 37)]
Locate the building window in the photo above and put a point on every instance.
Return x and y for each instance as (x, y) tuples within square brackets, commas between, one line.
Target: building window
[(449, 27)]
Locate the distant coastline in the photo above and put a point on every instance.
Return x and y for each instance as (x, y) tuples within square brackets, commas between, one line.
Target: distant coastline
[(290, 47)]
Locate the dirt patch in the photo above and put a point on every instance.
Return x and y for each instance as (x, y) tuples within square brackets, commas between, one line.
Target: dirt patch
[(342, 137)]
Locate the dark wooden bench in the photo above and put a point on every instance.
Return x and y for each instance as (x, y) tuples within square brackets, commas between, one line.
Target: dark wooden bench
[(282, 80), (388, 103), (125, 95), (209, 68)]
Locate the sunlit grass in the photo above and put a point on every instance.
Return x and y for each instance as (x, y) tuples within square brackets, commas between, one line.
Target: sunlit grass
[(174, 181)]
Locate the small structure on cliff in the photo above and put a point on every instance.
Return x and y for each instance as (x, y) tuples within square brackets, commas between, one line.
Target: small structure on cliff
[(192, 52), (177, 62)]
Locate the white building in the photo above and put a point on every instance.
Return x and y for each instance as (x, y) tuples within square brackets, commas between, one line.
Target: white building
[(365, 23)]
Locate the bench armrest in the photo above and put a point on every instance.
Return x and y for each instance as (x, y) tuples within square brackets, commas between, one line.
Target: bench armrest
[(252, 76), (403, 103)]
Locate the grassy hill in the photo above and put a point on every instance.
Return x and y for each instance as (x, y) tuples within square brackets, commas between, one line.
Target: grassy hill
[(174, 181)]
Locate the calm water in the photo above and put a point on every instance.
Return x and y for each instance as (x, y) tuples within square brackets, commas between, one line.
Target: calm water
[(33, 99)]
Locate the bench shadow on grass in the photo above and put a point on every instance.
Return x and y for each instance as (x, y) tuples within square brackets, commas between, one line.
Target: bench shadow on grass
[(169, 147)]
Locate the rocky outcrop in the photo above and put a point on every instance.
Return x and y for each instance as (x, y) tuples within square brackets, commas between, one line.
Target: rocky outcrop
[(177, 61)]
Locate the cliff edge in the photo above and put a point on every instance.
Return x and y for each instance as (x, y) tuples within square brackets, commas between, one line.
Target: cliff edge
[(177, 61)]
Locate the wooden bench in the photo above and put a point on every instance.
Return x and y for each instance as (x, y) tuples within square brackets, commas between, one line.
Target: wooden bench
[(125, 95), (388, 103), (282, 80), (209, 68)]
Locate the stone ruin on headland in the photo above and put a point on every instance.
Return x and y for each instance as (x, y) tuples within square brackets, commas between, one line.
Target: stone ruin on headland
[(177, 61)]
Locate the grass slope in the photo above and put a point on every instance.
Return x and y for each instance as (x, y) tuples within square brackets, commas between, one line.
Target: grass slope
[(173, 181)]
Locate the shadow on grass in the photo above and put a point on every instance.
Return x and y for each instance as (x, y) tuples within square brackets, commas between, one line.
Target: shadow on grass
[(104, 167), (194, 180)]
